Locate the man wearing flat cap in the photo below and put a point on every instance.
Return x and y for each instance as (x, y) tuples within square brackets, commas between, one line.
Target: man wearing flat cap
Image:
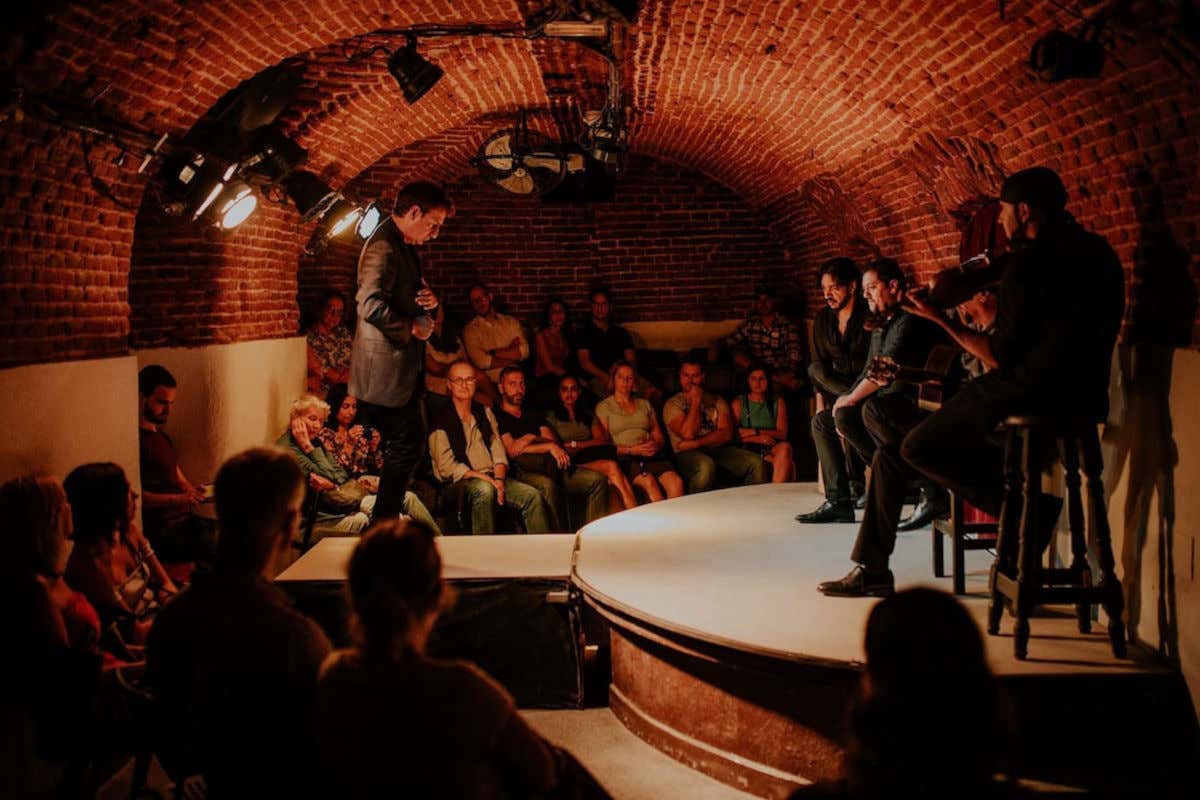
[(1060, 300)]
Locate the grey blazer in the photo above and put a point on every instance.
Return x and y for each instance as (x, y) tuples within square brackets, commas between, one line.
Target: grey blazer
[(386, 360)]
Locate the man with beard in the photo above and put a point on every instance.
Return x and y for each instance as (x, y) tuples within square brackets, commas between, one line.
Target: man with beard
[(168, 497), (840, 345), (538, 459), (899, 335), (493, 340)]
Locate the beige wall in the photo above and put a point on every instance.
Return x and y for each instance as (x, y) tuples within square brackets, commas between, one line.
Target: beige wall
[(1152, 460), (679, 335), (58, 416), (230, 397)]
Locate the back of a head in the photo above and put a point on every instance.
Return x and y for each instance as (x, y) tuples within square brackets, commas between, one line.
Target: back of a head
[(395, 582), (33, 513), (925, 719), (253, 490), (99, 496), (151, 376)]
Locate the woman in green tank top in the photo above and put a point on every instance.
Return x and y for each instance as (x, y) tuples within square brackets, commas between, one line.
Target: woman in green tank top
[(762, 424)]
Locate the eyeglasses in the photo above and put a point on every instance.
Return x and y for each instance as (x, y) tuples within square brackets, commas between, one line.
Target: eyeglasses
[(461, 381)]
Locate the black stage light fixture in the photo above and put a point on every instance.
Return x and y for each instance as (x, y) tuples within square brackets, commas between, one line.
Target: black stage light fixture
[(312, 196), (340, 217), (1058, 55), (415, 75), (273, 154), (623, 11)]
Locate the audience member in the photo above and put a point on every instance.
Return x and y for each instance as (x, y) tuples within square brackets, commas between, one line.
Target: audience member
[(574, 422), (924, 722), (602, 343), (762, 426), (466, 450), (111, 561), (329, 345), (345, 503), (630, 423), (771, 338), (444, 348), (555, 352), (494, 340), (701, 431), (355, 447), (393, 722), (840, 344), (395, 316), (538, 458), (898, 335), (168, 497), (232, 665)]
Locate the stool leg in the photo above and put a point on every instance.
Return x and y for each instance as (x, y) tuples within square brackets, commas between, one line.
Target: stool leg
[(1028, 551), (1007, 529), (939, 555), (1114, 602), (1080, 571), (957, 551)]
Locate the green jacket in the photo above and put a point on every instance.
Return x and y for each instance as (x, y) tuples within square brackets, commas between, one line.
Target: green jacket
[(317, 461)]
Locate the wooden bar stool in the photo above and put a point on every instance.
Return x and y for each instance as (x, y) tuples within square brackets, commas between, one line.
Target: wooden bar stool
[(964, 535), (1018, 576)]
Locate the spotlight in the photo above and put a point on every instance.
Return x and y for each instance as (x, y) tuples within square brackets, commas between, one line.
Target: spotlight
[(415, 75), (216, 191), (343, 214), (370, 221), (274, 154), (238, 207), (312, 196), (1058, 55)]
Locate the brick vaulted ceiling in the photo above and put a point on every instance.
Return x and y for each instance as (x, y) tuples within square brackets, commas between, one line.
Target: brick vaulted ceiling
[(850, 122)]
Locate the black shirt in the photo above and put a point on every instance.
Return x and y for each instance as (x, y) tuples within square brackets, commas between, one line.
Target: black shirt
[(839, 359), (530, 421), (906, 338), (605, 347)]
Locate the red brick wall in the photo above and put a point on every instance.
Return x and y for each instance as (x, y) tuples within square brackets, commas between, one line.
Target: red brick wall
[(672, 245)]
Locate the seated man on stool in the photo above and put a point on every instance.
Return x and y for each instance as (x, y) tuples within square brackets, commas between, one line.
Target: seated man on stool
[(898, 335), (465, 447), (538, 459), (701, 429)]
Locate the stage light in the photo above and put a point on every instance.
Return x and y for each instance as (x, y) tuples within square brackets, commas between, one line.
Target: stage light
[(340, 217), (216, 191), (312, 196), (415, 74), (370, 221), (274, 154), (238, 207)]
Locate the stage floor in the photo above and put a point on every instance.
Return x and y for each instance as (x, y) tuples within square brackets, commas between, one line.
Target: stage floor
[(733, 568)]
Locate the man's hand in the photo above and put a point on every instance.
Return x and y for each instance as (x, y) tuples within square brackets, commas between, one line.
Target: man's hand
[(320, 484), (560, 456), (915, 304), (685, 445), (426, 299), (843, 401), (300, 434), (499, 484), (194, 494)]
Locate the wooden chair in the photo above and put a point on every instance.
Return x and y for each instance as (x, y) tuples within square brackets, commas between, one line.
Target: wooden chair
[(964, 535)]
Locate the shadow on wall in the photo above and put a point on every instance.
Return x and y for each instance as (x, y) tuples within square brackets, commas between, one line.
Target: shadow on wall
[(1163, 301)]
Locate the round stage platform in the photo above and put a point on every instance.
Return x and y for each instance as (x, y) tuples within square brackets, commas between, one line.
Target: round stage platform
[(727, 657)]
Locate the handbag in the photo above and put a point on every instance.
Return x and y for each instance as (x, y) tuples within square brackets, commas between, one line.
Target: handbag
[(345, 499)]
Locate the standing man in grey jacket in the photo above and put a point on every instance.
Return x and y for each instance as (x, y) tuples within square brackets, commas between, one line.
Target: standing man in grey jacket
[(395, 305)]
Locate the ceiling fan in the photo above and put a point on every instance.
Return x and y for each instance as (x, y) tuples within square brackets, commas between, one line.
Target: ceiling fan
[(524, 161)]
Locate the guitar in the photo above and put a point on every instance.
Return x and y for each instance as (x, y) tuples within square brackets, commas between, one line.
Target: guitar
[(935, 380)]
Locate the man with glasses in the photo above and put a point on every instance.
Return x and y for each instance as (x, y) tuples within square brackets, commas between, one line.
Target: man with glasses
[(395, 305), (468, 454)]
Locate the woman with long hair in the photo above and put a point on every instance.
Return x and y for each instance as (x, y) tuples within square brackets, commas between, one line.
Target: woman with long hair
[(762, 424), (574, 421), (629, 422), (329, 344), (390, 720)]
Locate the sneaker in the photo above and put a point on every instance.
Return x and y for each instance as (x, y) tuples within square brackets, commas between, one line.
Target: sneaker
[(860, 583), (829, 511)]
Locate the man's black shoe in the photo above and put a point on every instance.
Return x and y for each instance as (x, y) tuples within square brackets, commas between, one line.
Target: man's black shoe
[(829, 511), (929, 509), (861, 583)]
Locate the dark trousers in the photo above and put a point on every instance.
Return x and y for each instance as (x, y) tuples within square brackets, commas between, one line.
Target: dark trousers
[(888, 419), (957, 446), (402, 430), (826, 426)]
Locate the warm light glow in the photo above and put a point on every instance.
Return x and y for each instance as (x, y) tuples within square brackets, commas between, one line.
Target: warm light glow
[(236, 211), (369, 222), (208, 201), (346, 221)]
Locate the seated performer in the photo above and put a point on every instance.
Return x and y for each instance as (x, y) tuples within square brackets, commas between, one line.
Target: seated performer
[(1059, 307), (537, 458), (898, 335), (701, 429), (465, 447)]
